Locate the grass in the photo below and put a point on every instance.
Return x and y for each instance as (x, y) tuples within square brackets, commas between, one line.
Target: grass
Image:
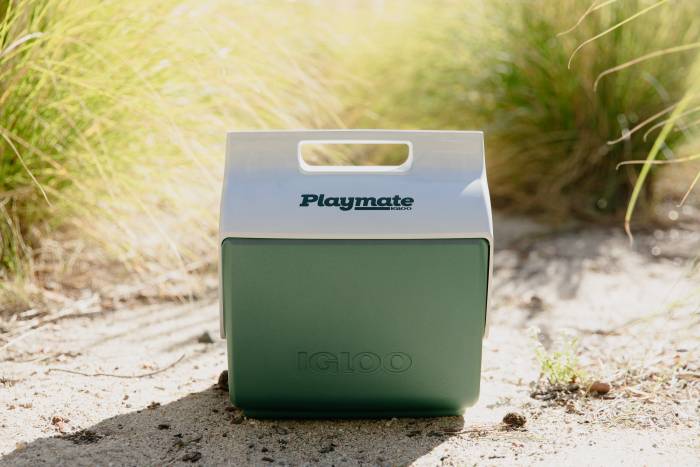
[(548, 127), (559, 365), (113, 121), (680, 109), (114, 113)]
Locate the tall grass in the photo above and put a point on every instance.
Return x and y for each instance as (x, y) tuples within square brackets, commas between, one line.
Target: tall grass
[(504, 67), (113, 113), (113, 116), (673, 119)]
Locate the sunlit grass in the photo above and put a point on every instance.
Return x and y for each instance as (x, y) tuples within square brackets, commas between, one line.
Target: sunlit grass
[(504, 67), (114, 116), (686, 105)]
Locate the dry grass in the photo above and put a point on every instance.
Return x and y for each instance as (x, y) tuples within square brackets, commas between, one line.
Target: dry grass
[(115, 114), (548, 127), (113, 129), (669, 121)]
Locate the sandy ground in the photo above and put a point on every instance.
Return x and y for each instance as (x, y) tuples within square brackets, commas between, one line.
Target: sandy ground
[(633, 310)]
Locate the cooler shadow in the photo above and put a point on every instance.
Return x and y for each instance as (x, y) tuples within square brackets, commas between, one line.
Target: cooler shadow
[(204, 428)]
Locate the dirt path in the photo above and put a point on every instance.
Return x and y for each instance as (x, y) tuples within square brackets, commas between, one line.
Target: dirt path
[(635, 315)]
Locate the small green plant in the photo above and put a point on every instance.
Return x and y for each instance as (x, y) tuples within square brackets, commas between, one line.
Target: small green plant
[(559, 365)]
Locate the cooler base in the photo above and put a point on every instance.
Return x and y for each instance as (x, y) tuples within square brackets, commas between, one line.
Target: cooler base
[(354, 328), (328, 414)]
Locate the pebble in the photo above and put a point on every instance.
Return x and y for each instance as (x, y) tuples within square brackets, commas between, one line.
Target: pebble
[(514, 420), (205, 338), (599, 388), (223, 381)]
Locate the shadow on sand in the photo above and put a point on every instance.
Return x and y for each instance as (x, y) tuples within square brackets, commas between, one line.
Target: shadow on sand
[(203, 428)]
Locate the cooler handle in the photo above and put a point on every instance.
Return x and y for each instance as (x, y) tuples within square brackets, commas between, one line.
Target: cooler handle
[(453, 151), (305, 167)]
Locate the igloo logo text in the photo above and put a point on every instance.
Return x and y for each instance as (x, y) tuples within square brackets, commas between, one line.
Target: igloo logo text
[(334, 363)]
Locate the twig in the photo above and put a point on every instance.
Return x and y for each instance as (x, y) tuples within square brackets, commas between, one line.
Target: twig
[(112, 375), (69, 313), (32, 330), (66, 313)]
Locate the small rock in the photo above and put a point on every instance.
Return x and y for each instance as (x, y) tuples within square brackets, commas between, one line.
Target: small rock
[(268, 459), (83, 437), (281, 430), (223, 381), (599, 388), (153, 405), (193, 456), (163, 426), (535, 304), (327, 448), (514, 420), (237, 418), (205, 338), (59, 422)]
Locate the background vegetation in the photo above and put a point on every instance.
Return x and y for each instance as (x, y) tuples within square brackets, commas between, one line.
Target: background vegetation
[(113, 119), (504, 67), (113, 113)]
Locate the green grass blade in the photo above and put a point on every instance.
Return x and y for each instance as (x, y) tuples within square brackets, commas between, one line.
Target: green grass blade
[(653, 153)]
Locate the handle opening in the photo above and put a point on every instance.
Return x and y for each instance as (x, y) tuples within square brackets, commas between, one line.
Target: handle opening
[(347, 156)]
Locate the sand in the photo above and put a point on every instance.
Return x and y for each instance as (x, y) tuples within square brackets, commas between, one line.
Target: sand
[(633, 310)]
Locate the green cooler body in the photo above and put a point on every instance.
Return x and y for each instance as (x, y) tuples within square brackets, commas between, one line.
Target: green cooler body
[(354, 291)]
